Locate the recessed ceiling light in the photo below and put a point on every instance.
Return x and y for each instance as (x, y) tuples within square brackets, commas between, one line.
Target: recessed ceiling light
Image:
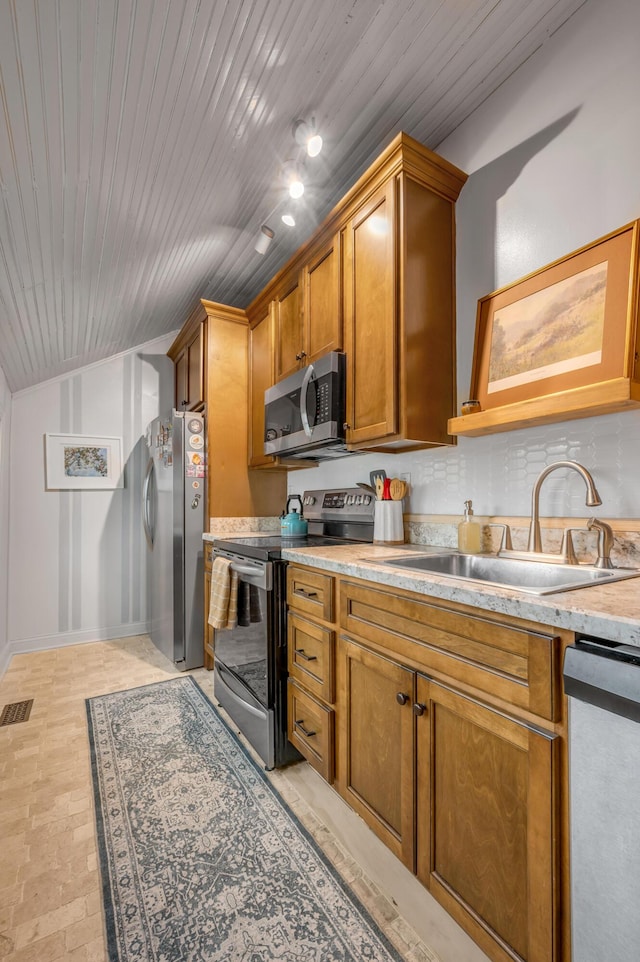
[(288, 220)]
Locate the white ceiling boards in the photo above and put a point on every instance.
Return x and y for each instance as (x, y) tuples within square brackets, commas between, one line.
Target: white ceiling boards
[(141, 144)]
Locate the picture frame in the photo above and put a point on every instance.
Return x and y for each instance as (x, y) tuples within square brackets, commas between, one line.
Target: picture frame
[(560, 332), (83, 462)]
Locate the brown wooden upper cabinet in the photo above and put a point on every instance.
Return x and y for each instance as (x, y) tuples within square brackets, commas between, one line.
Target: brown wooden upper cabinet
[(261, 377), (377, 280), (308, 310), (399, 306), (188, 352)]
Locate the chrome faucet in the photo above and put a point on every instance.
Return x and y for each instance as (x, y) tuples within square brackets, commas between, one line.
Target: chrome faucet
[(593, 498)]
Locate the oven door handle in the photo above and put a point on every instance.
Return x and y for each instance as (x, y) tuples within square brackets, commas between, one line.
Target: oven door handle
[(246, 569)]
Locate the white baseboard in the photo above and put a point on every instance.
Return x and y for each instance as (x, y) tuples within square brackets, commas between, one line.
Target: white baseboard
[(64, 640)]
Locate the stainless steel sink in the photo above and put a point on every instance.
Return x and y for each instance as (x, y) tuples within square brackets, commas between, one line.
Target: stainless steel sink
[(535, 577)]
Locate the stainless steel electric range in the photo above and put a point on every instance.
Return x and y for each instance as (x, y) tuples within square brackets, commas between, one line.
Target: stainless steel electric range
[(250, 673)]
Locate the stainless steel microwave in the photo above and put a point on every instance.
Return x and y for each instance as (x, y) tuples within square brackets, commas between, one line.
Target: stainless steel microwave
[(304, 414)]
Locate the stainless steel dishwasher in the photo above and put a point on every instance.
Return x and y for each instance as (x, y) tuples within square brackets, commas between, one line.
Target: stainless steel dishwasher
[(602, 680)]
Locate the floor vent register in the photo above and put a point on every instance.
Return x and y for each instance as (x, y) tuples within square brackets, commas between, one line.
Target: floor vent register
[(19, 711)]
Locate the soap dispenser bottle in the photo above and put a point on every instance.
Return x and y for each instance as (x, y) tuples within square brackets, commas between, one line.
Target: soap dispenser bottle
[(469, 532)]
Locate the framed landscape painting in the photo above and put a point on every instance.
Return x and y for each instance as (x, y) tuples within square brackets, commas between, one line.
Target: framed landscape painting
[(83, 461), (566, 326)]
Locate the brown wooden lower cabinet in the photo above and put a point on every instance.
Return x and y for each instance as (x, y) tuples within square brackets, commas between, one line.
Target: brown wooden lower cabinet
[(463, 793), (208, 630), (486, 823), (450, 742), (376, 744)]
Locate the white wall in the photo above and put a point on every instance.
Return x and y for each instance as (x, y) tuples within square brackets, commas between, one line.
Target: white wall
[(553, 164), (77, 567), (5, 428)]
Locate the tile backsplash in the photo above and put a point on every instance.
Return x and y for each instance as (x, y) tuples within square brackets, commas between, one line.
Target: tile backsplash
[(443, 531)]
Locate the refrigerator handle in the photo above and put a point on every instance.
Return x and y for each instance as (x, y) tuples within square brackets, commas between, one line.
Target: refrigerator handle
[(146, 504)]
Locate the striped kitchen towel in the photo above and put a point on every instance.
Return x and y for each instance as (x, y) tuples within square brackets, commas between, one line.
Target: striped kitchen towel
[(223, 600)]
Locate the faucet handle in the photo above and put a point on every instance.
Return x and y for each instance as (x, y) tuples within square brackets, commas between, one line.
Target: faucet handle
[(505, 541), (567, 550)]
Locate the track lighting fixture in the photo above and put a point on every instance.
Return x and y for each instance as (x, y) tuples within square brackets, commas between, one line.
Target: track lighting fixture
[(263, 239), (305, 135), (292, 179)]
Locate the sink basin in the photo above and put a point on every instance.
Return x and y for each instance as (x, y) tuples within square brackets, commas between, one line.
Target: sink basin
[(536, 577)]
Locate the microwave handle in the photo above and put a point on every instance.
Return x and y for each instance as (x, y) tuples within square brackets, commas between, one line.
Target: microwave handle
[(304, 415)]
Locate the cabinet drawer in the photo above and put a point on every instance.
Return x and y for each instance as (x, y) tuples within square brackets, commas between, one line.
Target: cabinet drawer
[(310, 592), (208, 555), (311, 656), (513, 664), (311, 728)]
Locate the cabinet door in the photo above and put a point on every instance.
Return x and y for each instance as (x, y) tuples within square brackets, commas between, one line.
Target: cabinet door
[(322, 302), (485, 822), (261, 377), (370, 315), (195, 368), (182, 381), (190, 372), (376, 744), (288, 321)]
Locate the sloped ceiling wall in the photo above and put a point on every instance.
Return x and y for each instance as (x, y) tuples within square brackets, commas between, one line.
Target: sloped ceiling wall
[(141, 143)]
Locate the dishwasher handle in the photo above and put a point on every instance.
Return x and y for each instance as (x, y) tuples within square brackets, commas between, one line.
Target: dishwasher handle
[(605, 674)]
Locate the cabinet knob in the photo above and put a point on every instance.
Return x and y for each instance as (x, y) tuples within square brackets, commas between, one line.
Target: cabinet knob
[(401, 698), (419, 708), (303, 354), (345, 426), (298, 357)]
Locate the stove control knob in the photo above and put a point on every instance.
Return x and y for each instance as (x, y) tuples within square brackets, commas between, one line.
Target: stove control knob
[(309, 499), (367, 499), (358, 499)]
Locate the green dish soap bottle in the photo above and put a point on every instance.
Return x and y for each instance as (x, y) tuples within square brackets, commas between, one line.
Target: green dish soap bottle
[(469, 532)]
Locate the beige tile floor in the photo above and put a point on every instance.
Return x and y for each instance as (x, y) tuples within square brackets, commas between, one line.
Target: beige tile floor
[(50, 900)]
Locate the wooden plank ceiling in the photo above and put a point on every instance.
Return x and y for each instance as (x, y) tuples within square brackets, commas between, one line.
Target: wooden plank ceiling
[(142, 141)]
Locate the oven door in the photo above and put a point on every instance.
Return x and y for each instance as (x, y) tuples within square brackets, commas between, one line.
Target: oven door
[(245, 656)]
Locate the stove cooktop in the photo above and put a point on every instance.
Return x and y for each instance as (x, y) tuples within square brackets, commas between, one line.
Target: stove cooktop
[(335, 516), (270, 548)]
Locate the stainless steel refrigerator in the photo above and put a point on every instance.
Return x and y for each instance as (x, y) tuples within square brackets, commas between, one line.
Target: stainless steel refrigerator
[(173, 512)]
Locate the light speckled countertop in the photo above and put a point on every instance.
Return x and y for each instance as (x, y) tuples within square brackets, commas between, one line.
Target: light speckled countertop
[(608, 611)]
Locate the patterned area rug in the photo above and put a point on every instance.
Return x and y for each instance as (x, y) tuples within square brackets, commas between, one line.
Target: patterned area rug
[(201, 859)]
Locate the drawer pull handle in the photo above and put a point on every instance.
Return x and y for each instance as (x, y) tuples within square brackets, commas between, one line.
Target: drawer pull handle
[(401, 698), (304, 731), (419, 708), (303, 654), (305, 594)]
